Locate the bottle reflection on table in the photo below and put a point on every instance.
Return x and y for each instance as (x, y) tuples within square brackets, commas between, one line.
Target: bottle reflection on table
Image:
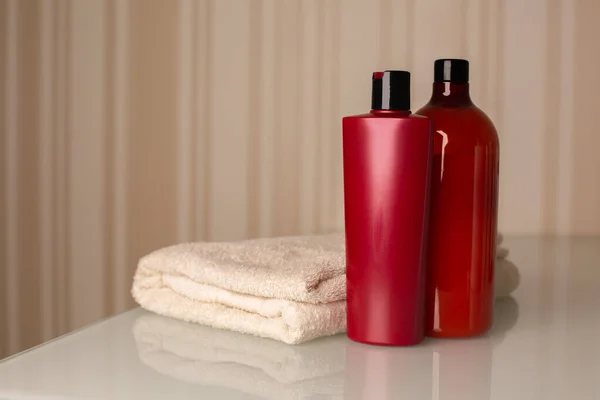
[(437, 369)]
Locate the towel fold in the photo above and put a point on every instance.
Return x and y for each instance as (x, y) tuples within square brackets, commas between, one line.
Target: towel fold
[(309, 269), (254, 365), (290, 289)]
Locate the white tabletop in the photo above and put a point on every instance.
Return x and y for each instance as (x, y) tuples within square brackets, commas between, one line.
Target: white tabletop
[(545, 345)]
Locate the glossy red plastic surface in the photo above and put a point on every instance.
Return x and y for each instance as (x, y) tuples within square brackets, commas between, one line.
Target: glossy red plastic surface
[(463, 218), (387, 165)]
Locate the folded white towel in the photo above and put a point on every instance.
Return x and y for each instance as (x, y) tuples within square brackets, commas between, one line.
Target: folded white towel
[(254, 365), (291, 289), (288, 288)]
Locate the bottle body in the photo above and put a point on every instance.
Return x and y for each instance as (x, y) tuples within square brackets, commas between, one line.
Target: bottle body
[(463, 218), (387, 170)]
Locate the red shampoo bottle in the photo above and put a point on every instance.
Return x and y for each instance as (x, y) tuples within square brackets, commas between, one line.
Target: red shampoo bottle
[(387, 157), (464, 198)]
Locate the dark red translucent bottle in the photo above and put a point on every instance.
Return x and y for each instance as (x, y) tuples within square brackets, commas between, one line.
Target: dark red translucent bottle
[(464, 199), (387, 156)]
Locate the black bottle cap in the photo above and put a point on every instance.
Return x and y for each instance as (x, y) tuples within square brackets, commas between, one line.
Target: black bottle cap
[(391, 91), (451, 70)]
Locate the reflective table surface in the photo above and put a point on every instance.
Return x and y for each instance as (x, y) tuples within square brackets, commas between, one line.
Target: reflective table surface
[(545, 345)]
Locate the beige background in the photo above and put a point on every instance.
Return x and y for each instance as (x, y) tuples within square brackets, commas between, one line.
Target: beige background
[(132, 124)]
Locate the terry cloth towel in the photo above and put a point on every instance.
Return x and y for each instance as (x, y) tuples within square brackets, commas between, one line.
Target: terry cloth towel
[(291, 289), (261, 367)]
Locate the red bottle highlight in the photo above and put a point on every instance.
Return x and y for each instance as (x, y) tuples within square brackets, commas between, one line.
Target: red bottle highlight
[(387, 157), (464, 207)]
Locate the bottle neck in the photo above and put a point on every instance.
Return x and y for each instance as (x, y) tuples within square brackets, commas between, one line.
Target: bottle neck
[(450, 94), (391, 113)]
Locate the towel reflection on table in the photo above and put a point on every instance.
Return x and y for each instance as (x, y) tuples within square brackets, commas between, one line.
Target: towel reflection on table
[(198, 354)]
